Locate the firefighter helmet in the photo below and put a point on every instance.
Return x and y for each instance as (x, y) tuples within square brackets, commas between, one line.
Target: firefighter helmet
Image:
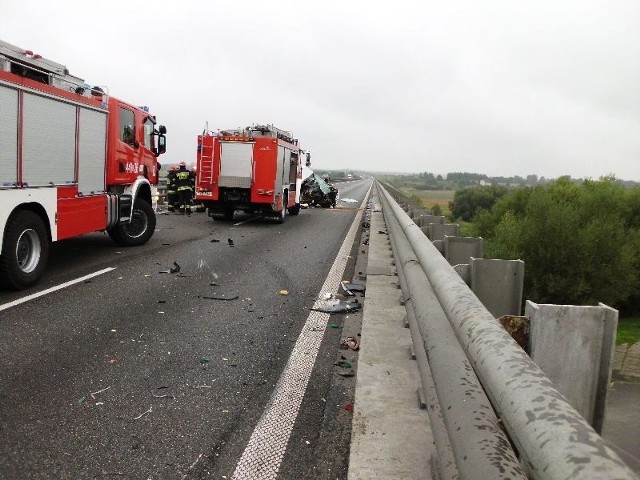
[(182, 164)]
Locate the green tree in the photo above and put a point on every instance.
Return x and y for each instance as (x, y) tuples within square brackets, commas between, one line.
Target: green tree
[(469, 201), (577, 241)]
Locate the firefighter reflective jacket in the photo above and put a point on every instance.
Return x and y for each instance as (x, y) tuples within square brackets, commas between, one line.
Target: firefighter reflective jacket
[(184, 179)]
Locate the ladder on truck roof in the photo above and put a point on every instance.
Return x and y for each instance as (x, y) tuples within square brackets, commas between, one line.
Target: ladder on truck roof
[(32, 65)]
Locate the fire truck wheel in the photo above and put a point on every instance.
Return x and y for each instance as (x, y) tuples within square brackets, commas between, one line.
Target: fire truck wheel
[(281, 215), (26, 250), (295, 210), (139, 230), (228, 213)]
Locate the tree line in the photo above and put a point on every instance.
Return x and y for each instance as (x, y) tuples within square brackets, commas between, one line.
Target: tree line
[(460, 180), (580, 241)]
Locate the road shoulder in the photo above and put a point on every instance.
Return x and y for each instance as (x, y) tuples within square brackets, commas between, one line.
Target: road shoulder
[(391, 436)]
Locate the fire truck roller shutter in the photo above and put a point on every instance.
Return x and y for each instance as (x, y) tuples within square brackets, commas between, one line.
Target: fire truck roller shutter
[(279, 168), (49, 139), (92, 151), (8, 136), (236, 162)]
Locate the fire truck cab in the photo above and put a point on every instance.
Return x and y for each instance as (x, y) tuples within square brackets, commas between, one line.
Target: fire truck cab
[(73, 160), (256, 169)]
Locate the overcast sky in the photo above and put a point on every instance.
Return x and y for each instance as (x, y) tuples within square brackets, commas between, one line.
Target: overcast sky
[(498, 87)]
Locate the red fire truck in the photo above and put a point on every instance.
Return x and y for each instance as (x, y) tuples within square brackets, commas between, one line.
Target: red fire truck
[(73, 160), (256, 169)]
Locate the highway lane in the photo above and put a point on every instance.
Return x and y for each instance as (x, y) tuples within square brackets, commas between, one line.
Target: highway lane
[(135, 374)]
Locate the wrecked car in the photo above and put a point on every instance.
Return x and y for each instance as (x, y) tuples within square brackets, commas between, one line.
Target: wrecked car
[(315, 192)]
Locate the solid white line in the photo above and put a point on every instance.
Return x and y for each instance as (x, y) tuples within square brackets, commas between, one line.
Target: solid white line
[(263, 454), (4, 306)]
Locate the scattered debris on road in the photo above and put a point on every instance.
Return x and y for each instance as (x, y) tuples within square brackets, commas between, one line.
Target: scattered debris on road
[(220, 296), (143, 414), (337, 305), (164, 396), (352, 343), (93, 395), (174, 269)]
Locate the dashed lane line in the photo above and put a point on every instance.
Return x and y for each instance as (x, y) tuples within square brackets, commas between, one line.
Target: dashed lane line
[(263, 454), (33, 296)]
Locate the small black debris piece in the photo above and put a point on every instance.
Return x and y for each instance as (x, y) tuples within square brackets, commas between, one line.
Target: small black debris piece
[(219, 297)]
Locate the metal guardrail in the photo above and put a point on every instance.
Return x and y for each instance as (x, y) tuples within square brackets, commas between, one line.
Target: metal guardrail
[(478, 379)]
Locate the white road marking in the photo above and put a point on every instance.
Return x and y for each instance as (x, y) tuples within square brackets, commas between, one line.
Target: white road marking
[(247, 220), (4, 306), (263, 455)]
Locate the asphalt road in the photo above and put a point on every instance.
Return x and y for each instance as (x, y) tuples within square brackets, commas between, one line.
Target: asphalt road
[(140, 374)]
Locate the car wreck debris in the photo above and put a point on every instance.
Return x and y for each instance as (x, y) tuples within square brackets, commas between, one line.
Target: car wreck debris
[(315, 192), (337, 305)]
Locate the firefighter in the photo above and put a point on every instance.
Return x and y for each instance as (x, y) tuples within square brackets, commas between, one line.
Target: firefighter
[(333, 195), (172, 194), (184, 180)]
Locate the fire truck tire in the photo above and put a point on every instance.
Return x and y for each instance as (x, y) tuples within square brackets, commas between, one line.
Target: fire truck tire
[(295, 210), (281, 215), (139, 230), (228, 213), (26, 250)]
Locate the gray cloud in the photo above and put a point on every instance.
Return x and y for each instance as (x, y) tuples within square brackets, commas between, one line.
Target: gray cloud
[(497, 87)]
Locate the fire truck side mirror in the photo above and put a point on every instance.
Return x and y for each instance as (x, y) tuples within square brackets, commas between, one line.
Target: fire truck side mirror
[(308, 159), (162, 145), (162, 129)]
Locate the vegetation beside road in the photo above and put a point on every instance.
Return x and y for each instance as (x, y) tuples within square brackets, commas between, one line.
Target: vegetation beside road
[(628, 331), (580, 241), (438, 201)]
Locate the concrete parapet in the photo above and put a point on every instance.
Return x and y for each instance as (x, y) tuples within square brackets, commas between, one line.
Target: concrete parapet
[(574, 346), (437, 231), (425, 219), (461, 249), (439, 244), (498, 284), (462, 269)]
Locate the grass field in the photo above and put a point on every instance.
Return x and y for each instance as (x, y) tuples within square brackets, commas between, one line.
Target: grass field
[(430, 198), (628, 330)]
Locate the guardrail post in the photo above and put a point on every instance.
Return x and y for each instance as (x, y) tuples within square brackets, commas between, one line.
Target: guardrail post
[(574, 347)]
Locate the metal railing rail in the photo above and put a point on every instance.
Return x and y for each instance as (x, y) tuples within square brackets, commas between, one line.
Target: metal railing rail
[(552, 439)]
